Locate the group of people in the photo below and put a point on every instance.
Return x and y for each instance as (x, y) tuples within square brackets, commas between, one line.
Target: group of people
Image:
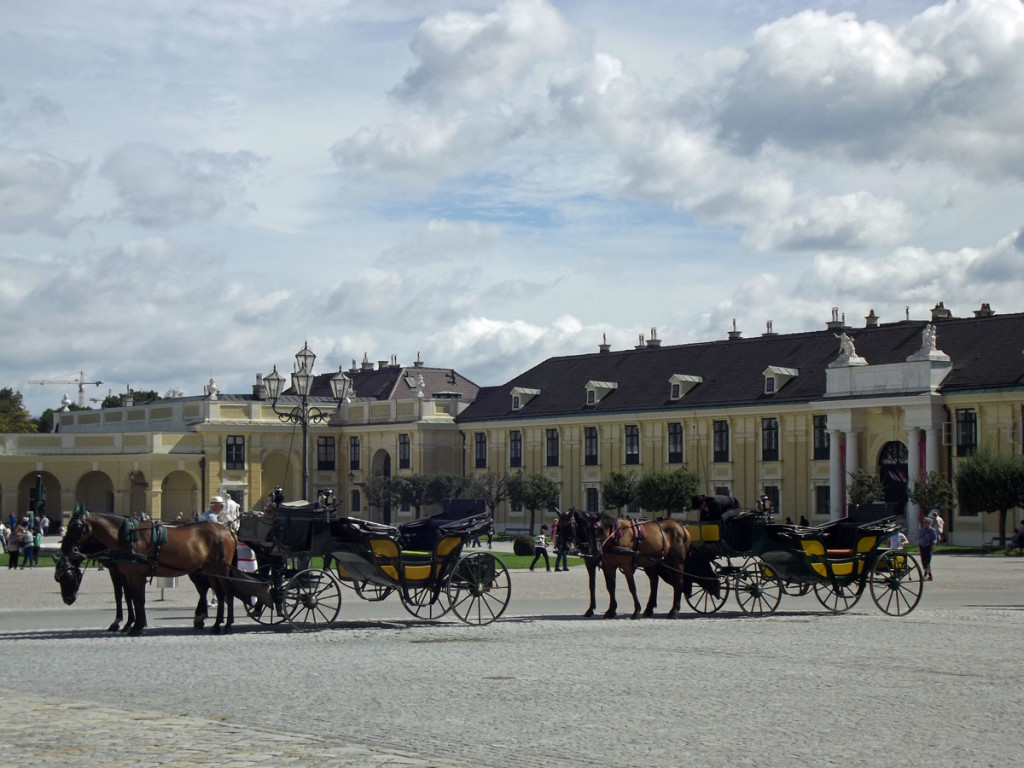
[(22, 541), (540, 549), (932, 531)]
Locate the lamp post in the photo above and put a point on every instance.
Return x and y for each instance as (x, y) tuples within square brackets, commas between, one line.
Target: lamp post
[(303, 414)]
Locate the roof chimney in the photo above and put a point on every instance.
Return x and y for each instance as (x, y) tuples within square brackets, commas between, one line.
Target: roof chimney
[(871, 320), (835, 323), (654, 341), (418, 363), (768, 330), (259, 389), (604, 346), (939, 312), (367, 365), (985, 311), (734, 334), (641, 344)]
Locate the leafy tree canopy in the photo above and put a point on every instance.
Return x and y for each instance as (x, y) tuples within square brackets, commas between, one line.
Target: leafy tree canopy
[(619, 490), (666, 491), (13, 416), (865, 488)]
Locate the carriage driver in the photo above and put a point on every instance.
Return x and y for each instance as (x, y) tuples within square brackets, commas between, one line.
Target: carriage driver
[(211, 515)]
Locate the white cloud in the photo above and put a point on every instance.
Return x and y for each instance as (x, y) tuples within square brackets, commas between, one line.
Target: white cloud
[(35, 190), (159, 188)]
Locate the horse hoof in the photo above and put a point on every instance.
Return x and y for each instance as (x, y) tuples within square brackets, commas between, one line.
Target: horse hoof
[(128, 629), (136, 631), (648, 614), (588, 614), (610, 615), (198, 625), (114, 627), (673, 615), (215, 630)]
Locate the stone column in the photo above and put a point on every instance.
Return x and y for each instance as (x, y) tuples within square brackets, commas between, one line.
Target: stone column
[(931, 450), (851, 465), (913, 476), (835, 476)]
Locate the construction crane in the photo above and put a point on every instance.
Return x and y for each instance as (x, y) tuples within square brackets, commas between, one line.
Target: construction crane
[(80, 381)]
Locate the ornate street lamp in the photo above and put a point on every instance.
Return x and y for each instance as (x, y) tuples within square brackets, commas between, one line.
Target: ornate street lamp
[(303, 414)]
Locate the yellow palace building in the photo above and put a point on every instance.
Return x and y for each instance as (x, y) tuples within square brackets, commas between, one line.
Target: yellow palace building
[(788, 416)]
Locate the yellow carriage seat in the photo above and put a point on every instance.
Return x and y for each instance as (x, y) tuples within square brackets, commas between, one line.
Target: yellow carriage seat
[(385, 554), (705, 533)]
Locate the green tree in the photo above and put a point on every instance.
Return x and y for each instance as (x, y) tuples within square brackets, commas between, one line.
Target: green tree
[(380, 491), (865, 488), (13, 416), (934, 493), (493, 488), (666, 490), (413, 490), (987, 482), (443, 487), (533, 492), (619, 490)]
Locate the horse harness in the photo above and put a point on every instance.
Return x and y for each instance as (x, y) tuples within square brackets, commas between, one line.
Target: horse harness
[(638, 531)]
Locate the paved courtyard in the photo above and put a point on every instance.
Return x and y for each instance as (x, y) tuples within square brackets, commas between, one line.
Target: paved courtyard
[(941, 687)]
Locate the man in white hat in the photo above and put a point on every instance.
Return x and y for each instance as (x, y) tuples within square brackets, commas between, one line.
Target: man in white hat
[(211, 514)]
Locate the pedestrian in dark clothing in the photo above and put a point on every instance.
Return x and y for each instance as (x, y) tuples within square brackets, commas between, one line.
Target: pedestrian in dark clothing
[(926, 543)]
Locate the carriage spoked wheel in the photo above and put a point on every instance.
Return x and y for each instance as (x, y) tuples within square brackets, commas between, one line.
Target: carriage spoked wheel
[(704, 597), (479, 588), (758, 588), (262, 613), (429, 601), (312, 600), (838, 597), (896, 582)]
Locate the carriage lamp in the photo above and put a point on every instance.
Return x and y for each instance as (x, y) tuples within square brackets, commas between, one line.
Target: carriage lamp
[(303, 414)]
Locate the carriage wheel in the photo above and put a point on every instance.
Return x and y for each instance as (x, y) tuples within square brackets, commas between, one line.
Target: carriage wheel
[(896, 582), (479, 588), (312, 600), (839, 597), (372, 593), (261, 613), (429, 602), (758, 589), (705, 600)]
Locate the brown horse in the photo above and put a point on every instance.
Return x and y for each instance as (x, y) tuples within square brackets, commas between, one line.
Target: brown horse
[(659, 547), (199, 549)]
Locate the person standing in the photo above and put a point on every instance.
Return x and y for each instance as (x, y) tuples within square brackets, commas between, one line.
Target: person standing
[(926, 543), (940, 526), (13, 549), (540, 547), (561, 552), (490, 532), (898, 540)]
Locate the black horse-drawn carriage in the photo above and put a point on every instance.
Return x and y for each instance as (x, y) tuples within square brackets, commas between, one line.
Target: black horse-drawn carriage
[(744, 552), (421, 561)]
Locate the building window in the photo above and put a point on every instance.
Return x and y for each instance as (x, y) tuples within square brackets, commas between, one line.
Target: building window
[(591, 397), (675, 443), (326, 456), (771, 499), (675, 392), (353, 452), (552, 448), (722, 490), (480, 450), (822, 501), (966, 431), (404, 452), (235, 458), (593, 500), (770, 439), (515, 448), (590, 446), (516, 403), (633, 509), (357, 501), (721, 440), (822, 441), (632, 444)]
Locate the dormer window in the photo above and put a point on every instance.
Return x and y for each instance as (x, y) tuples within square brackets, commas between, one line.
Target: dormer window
[(776, 377), (680, 384), (596, 390), (521, 396)]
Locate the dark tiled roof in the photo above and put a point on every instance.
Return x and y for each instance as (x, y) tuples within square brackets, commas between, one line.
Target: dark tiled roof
[(986, 354), (397, 383)]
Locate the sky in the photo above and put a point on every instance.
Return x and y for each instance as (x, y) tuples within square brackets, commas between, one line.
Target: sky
[(192, 190)]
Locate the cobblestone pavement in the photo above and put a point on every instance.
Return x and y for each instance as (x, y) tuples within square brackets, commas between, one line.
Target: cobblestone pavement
[(941, 686)]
